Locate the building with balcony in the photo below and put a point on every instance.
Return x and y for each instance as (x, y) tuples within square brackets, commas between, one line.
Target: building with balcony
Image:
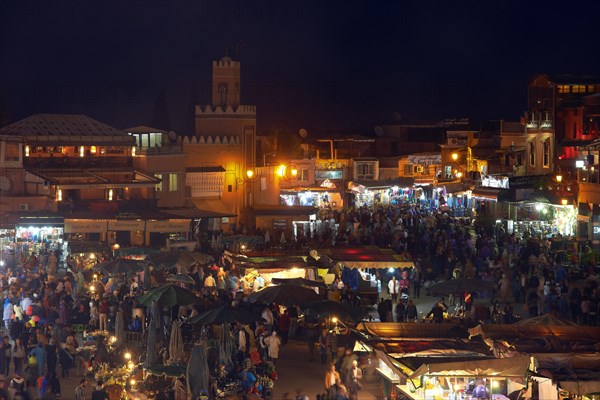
[(76, 177), (555, 103)]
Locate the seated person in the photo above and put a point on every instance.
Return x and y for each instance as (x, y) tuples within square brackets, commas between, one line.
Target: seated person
[(247, 379), (255, 356), (136, 324)]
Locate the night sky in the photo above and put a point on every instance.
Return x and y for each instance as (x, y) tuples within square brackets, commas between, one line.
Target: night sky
[(322, 65)]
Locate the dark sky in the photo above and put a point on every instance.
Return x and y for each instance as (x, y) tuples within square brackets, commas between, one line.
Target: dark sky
[(322, 65)]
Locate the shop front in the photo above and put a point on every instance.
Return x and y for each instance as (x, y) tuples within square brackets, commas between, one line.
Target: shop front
[(93, 230), (392, 192), (315, 197), (126, 232), (172, 230), (452, 375), (34, 233)]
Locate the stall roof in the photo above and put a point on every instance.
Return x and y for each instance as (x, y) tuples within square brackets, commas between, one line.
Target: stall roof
[(513, 367), (212, 208), (532, 330), (367, 257), (393, 330), (284, 210)]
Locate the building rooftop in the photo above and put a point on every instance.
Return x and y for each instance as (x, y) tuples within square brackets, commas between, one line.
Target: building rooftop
[(573, 78), (60, 125)]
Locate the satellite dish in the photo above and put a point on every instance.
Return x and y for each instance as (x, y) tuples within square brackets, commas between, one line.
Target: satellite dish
[(172, 136), (397, 116), (5, 184), (379, 130), (303, 133)]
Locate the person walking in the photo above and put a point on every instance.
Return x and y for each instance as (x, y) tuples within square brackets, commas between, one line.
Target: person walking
[(332, 381), (324, 345), (274, 343), (18, 354), (412, 315), (394, 288), (99, 393), (80, 390), (353, 380), (5, 355)]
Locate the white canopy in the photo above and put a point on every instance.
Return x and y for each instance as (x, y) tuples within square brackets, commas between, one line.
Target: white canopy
[(513, 367)]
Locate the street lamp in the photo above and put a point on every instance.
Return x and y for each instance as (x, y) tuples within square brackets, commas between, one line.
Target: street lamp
[(455, 156), (249, 173), (294, 172), (559, 178), (564, 202)]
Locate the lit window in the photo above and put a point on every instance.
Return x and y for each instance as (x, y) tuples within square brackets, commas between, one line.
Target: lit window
[(158, 186), (546, 153), (532, 154), (93, 149), (173, 182), (304, 175)]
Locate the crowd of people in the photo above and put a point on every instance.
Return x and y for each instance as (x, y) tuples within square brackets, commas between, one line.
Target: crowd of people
[(43, 307)]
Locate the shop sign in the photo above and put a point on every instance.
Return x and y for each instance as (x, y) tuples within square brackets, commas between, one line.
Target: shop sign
[(168, 226), (332, 174), (126, 225), (498, 182), (280, 224), (85, 226), (338, 164), (431, 159), (458, 138), (525, 181)]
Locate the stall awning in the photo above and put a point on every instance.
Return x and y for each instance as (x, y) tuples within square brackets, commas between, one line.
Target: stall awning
[(513, 367), (584, 212), (402, 182), (210, 208), (367, 257), (486, 193), (580, 388), (284, 210)]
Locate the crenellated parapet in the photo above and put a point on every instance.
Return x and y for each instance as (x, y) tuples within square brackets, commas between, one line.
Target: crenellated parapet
[(241, 110), (226, 62)]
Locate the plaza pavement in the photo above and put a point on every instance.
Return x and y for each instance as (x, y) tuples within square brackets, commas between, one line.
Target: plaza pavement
[(296, 371)]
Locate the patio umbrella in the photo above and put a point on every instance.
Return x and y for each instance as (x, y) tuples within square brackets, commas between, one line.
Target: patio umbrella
[(150, 359), (461, 285), (225, 347), (181, 278), (169, 259), (120, 266), (284, 294), (299, 281), (170, 371), (169, 295), (225, 314), (147, 281), (120, 327), (176, 350), (329, 308), (135, 251), (203, 258), (197, 371)]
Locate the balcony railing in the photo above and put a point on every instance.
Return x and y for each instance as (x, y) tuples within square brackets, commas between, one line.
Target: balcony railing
[(77, 162), (105, 206)]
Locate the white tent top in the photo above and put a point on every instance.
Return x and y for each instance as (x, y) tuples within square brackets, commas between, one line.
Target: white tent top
[(513, 367)]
